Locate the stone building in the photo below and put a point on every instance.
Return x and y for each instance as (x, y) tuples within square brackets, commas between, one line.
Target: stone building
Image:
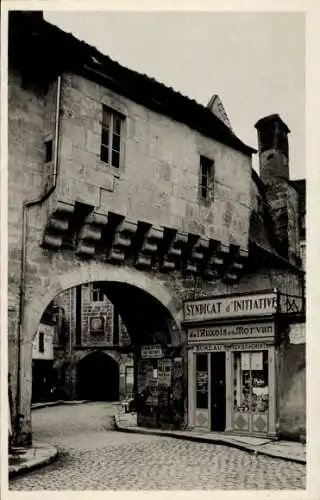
[(43, 375), (127, 183), (92, 345)]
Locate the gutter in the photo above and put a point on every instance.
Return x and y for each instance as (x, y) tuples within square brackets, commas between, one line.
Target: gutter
[(27, 204)]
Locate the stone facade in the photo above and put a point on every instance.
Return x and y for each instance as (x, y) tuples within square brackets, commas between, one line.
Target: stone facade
[(142, 229), (74, 345)]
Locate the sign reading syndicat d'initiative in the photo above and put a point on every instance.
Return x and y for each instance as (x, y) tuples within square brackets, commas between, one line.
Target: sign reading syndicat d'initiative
[(259, 304)]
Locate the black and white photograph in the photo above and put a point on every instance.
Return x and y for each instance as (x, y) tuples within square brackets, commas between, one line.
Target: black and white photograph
[(156, 250)]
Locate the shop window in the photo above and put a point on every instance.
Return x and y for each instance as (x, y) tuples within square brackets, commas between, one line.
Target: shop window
[(111, 131), (41, 342), (202, 381), (251, 390), (206, 178), (96, 294)]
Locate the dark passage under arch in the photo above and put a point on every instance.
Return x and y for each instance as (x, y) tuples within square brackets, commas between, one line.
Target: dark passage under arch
[(98, 378)]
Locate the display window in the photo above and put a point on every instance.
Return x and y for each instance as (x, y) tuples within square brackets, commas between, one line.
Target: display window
[(251, 391)]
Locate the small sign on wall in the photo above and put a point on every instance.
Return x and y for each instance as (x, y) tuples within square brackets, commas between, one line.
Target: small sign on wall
[(164, 372), (97, 324), (151, 351), (297, 333)]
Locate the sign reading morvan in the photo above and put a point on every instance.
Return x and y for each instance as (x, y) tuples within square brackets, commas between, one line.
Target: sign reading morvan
[(243, 331), (259, 304)]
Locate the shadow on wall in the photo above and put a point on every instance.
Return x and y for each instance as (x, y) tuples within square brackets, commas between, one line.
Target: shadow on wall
[(293, 393)]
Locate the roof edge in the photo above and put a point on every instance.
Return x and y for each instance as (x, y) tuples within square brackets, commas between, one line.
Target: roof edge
[(78, 56)]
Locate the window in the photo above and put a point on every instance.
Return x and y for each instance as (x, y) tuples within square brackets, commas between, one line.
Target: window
[(251, 391), (41, 342), (97, 294), (111, 137), (48, 150), (206, 178), (202, 381)]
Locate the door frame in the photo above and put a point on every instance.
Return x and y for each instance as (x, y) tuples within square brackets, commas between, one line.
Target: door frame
[(210, 389)]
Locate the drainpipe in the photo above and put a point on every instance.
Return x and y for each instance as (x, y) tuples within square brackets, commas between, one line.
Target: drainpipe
[(27, 204)]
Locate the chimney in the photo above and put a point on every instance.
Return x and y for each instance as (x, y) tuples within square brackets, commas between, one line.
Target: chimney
[(282, 197)]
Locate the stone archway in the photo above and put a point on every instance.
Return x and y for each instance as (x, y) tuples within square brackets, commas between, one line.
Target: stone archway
[(95, 271), (39, 297), (97, 377)]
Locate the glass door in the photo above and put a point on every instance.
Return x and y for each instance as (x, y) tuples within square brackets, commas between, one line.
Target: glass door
[(251, 391), (218, 391), (202, 379)]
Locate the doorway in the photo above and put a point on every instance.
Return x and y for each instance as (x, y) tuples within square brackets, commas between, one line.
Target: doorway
[(218, 391), (98, 378)]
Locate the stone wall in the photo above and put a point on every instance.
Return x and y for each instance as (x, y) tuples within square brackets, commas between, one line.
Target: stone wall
[(159, 179), (292, 388), (158, 184)]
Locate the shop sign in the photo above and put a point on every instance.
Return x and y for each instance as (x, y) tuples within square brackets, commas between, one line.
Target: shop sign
[(151, 351), (164, 372), (209, 348), (252, 346), (259, 304), (297, 333), (252, 330)]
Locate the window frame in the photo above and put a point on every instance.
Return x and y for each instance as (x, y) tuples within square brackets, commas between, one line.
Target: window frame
[(95, 289), (48, 150), (206, 164), (41, 342), (110, 130)]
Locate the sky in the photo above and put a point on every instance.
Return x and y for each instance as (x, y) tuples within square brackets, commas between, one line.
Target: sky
[(255, 62)]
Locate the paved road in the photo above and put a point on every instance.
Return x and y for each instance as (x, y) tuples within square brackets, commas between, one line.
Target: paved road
[(94, 457)]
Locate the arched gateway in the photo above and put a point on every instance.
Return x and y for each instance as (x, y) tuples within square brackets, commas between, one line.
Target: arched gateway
[(150, 311), (96, 271)]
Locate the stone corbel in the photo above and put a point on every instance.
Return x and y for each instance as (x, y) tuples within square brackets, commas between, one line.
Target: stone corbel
[(57, 225), (149, 248), (197, 256), (174, 253), (90, 233), (234, 270), (219, 253), (122, 241)]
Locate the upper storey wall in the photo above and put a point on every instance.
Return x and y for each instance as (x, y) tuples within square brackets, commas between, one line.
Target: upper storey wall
[(159, 174)]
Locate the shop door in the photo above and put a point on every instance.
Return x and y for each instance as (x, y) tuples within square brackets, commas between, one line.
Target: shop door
[(218, 391)]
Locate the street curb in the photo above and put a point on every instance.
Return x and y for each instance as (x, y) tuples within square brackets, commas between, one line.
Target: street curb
[(21, 469), (256, 451), (57, 403)]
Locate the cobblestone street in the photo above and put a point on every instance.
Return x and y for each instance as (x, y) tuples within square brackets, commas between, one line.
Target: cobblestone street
[(94, 457)]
